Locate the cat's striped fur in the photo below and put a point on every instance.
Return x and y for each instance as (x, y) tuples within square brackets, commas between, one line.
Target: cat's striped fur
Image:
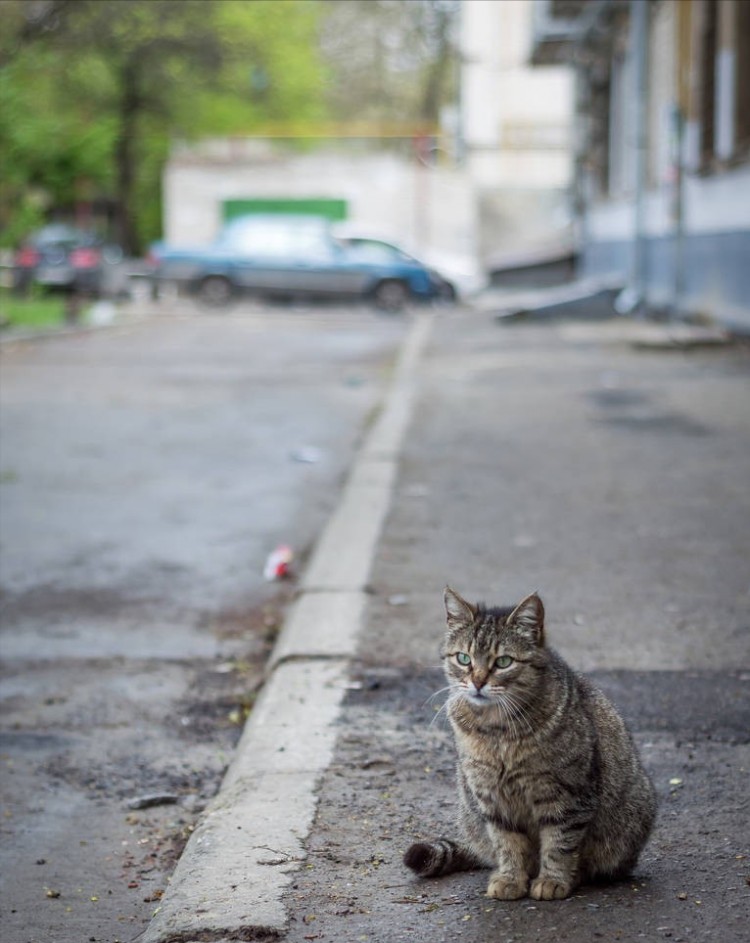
[(551, 789)]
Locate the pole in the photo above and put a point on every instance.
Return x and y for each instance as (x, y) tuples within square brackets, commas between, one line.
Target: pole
[(683, 27), (639, 13)]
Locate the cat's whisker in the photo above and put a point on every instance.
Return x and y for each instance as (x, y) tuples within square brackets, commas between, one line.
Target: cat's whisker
[(437, 715), (432, 697), (444, 707), (517, 706), (510, 718), (501, 714), (518, 709)]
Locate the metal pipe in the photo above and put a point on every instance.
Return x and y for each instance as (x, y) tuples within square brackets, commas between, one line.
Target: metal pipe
[(639, 16), (683, 34), (581, 30)]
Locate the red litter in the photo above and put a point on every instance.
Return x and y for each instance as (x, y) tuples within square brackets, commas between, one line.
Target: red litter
[(278, 563)]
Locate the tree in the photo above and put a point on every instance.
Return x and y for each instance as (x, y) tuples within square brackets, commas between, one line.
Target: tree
[(44, 146), (124, 75), (392, 61), (93, 91)]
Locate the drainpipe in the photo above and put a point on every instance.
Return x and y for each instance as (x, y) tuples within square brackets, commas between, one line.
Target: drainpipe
[(581, 32), (678, 236), (639, 16), (580, 134), (683, 28)]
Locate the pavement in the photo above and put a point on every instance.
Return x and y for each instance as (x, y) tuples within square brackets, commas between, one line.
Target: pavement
[(135, 622), (564, 456)]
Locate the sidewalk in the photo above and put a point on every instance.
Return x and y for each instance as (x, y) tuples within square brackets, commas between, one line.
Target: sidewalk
[(557, 457)]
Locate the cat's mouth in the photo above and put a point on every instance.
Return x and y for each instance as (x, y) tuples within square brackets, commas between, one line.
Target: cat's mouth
[(477, 697)]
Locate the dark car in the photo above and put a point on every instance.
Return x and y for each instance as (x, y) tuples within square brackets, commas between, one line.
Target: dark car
[(64, 257), (290, 256)]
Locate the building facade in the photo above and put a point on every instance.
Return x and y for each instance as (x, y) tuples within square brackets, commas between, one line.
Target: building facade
[(489, 188), (662, 146), (515, 134), (387, 192)]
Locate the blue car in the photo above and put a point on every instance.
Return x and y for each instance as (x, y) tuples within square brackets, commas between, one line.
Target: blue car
[(289, 257)]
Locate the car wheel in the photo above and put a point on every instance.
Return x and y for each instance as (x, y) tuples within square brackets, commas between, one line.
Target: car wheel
[(448, 293), (391, 295), (215, 291)]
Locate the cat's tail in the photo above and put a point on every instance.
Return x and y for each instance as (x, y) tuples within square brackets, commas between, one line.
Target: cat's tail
[(434, 859)]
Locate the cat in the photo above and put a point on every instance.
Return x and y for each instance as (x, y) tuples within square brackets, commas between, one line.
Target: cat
[(552, 792)]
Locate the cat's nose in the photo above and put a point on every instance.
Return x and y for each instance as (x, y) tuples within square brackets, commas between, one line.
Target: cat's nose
[(479, 680)]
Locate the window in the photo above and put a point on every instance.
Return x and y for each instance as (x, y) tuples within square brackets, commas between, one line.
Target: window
[(708, 83), (723, 82), (742, 69)]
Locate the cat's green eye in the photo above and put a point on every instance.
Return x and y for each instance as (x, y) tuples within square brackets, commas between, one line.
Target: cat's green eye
[(463, 659), (504, 661)]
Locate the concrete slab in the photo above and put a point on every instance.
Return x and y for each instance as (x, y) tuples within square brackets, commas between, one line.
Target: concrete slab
[(235, 872), (238, 863), (321, 625), (344, 554), (343, 557)]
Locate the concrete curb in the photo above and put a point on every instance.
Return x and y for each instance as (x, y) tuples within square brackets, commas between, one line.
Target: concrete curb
[(11, 336), (231, 880)]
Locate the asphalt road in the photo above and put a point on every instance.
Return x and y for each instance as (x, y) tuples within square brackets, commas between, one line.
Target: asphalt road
[(146, 472), (614, 480)]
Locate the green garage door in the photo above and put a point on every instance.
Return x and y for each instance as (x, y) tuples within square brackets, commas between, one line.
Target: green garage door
[(334, 210)]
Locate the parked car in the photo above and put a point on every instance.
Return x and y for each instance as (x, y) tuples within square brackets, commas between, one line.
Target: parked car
[(458, 277), (291, 256), (64, 257), (379, 252)]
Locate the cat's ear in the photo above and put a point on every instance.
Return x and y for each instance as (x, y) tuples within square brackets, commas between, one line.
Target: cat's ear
[(528, 619), (458, 611)]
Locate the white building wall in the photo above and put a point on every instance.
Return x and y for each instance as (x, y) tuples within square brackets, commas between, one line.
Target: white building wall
[(516, 118), (424, 208), (516, 122), (711, 205), (509, 198), (662, 94)]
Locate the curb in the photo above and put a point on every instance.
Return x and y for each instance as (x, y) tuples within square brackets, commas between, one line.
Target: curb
[(10, 336), (232, 878)]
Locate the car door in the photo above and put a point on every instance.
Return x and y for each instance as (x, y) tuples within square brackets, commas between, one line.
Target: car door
[(280, 255), (326, 268)]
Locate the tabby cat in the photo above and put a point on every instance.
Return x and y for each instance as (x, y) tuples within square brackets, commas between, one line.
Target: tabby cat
[(551, 790)]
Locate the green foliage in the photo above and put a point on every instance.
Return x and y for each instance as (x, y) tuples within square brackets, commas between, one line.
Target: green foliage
[(92, 91), (33, 311), (391, 61), (47, 149), (271, 70)]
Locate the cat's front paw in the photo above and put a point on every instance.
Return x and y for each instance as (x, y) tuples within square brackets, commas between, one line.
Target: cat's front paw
[(550, 889), (503, 887)]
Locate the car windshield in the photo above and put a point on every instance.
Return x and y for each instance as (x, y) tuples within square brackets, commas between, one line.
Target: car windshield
[(373, 250)]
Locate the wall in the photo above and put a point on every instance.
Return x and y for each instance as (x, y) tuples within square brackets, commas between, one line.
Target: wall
[(715, 265), (508, 201), (696, 200), (386, 193), (516, 127)]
